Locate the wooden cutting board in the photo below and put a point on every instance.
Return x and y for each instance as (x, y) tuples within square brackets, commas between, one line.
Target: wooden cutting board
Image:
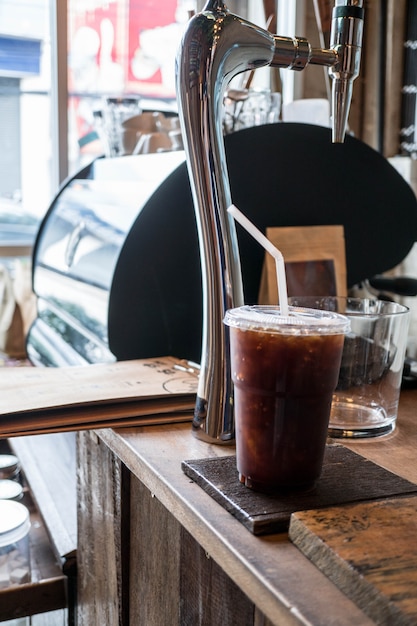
[(369, 550)]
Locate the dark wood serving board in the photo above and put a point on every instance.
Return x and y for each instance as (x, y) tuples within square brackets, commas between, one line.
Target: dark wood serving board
[(346, 477), (369, 550)]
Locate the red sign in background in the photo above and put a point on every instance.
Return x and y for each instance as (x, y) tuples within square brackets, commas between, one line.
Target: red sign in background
[(131, 43)]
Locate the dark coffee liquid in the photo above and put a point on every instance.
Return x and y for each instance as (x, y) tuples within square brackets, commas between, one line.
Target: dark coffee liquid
[(283, 393)]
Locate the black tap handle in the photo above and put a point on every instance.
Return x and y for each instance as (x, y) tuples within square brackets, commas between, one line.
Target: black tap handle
[(402, 285)]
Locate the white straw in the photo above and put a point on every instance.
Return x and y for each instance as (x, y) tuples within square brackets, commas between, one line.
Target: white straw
[(273, 251)]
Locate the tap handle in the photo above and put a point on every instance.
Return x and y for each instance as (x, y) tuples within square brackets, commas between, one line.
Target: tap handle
[(346, 40)]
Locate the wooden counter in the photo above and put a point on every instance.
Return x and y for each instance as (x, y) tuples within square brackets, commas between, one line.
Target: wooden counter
[(155, 549)]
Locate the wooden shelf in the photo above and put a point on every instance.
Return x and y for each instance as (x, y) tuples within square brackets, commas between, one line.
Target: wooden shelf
[(48, 466), (48, 462), (48, 589)]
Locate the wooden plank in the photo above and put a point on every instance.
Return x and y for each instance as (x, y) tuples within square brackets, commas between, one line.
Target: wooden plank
[(208, 596), (394, 64), (173, 581), (49, 465), (271, 571), (100, 597), (315, 82), (369, 551), (346, 477), (367, 85), (154, 561), (30, 599)]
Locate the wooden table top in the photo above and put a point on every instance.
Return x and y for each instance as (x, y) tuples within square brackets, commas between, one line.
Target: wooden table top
[(286, 586), (397, 451)]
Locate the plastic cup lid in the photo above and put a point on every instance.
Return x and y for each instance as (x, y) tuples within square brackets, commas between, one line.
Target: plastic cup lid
[(14, 521), (299, 321)]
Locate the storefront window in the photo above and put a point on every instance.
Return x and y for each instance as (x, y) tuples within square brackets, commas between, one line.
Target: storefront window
[(24, 109), (114, 48), (121, 48)]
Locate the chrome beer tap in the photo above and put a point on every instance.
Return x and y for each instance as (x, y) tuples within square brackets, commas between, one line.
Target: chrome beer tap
[(216, 46)]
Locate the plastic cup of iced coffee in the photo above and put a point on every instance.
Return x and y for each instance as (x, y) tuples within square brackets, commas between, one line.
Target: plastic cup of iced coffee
[(284, 370)]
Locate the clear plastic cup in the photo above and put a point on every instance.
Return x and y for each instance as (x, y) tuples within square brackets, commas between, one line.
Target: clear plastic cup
[(284, 370)]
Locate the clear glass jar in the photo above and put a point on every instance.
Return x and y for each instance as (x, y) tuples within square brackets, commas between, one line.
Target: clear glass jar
[(14, 544), (9, 467), (10, 490)]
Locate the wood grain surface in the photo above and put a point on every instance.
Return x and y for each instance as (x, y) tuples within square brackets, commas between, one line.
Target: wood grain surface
[(369, 551), (346, 477), (269, 570), (285, 586), (102, 523)]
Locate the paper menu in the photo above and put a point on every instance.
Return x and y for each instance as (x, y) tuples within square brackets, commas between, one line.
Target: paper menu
[(132, 392)]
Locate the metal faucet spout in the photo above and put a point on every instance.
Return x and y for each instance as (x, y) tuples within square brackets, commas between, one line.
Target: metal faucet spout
[(346, 40), (216, 46)]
